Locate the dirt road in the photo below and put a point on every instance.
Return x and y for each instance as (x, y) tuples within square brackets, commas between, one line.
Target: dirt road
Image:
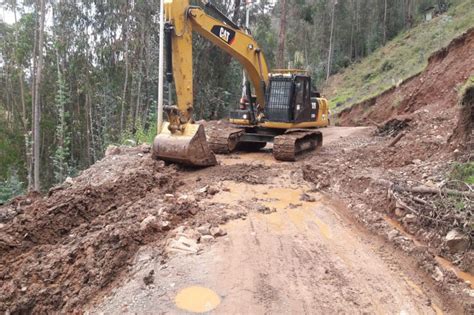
[(304, 257)]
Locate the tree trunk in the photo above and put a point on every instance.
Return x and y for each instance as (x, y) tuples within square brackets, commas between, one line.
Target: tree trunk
[(37, 110), (124, 92), (282, 36), (385, 22), (331, 38), (408, 15)]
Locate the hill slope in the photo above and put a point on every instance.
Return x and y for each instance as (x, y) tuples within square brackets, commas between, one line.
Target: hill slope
[(403, 57)]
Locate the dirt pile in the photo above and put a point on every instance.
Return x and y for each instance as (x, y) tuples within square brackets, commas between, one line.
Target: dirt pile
[(65, 250), (59, 251)]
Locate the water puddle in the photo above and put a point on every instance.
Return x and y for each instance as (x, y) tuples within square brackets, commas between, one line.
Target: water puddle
[(290, 209), (197, 299), (446, 264)]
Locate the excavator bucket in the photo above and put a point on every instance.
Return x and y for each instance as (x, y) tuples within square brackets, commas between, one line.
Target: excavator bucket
[(189, 147)]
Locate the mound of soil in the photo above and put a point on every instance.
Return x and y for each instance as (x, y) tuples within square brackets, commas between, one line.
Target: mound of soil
[(59, 251)]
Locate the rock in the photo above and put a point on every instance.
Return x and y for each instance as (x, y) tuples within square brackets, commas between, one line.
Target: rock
[(165, 225), (438, 274), (392, 234), (150, 278), (112, 150), (192, 234), (457, 241), (306, 197), (149, 221), (217, 231), (409, 218), (183, 245), (204, 229), (186, 198), (145, 148), (469, 292), (202, 190), (212, 190), (207, 239), (193, 210), (169, 197), (399, 212), (68, 181)]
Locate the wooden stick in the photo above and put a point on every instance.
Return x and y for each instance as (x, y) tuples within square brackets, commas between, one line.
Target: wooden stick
[(425, 189), (397, 138)]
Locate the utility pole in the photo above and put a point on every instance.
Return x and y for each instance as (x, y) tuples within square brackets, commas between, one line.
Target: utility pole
[(247, 18), (160, 68)]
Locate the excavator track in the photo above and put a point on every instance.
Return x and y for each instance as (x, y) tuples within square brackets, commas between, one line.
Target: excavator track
[(290, 145), (224, 141)]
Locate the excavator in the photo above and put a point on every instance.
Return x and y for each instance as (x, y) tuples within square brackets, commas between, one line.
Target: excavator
[(283, 109)]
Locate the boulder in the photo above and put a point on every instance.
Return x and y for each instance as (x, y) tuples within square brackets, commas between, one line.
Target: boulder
[(183, 245), (217, 231), (204, 229), (207, 239), (457, 241), (149, 222)]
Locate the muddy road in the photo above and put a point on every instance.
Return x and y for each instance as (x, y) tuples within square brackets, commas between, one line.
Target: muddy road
[(303, 254)]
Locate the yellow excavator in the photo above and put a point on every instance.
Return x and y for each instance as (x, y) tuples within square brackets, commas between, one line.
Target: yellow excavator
[(283, 110)]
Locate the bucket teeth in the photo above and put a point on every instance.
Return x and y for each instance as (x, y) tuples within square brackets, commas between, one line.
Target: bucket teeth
[(189, 147)]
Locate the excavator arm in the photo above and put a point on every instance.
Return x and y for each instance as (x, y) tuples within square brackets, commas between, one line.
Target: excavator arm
[(184, 20), (180, 140)]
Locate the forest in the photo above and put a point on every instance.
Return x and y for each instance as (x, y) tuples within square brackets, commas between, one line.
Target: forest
[(78, 76)]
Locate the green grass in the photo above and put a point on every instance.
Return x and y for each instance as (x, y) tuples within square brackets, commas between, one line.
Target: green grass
[(404, 56), (463, 172)]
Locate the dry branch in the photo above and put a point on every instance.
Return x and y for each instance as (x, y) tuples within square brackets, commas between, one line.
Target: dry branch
[(397, 138), (425, 189)]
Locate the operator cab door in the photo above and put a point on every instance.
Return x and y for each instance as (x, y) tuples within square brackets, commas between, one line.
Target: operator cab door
[(303, 110)]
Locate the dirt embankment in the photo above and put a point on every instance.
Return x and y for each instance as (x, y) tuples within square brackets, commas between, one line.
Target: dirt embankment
[(59, 251), (420, 131), (435, 89)]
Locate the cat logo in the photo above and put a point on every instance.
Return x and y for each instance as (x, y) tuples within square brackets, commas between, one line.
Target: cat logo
[(224, 33)]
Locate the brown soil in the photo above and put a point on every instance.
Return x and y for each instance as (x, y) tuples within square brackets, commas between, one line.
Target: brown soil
[(432, 94), (436, 128)]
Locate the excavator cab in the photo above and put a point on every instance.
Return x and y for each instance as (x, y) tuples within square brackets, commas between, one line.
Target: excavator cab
[(288, 99)]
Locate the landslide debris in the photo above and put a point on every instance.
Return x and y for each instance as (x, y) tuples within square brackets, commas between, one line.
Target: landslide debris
[(60, 251), (396, 177), (63, 251)]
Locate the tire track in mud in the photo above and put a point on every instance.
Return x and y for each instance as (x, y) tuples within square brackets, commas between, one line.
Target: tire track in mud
[(301, 258)]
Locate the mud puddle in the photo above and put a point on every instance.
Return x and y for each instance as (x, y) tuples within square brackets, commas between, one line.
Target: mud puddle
[(443, 262), (197, 299)]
